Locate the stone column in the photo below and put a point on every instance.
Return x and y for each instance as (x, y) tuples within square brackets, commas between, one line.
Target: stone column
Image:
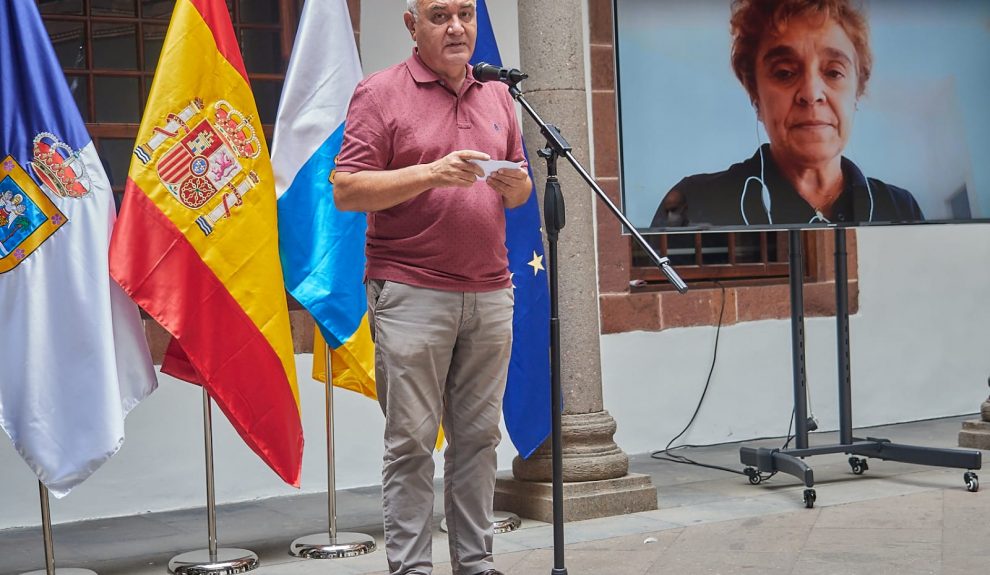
[(552, 51), (976, 432)]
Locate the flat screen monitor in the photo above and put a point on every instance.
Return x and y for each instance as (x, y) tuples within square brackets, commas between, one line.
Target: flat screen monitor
[(877, 115)]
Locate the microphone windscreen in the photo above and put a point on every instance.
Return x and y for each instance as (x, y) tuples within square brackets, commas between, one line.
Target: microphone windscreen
[(485, 72)]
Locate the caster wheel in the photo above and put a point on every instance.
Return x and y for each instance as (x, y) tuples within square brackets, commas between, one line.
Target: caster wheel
[(858, 465), (809, 498), (754, 475), (972, 482)]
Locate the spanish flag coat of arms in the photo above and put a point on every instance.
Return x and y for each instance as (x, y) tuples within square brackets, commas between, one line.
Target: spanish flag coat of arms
[(196, 242)]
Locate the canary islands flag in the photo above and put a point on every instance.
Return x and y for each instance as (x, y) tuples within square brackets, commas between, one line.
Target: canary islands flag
[(526, 406), (73, 356), (197, 240), (322, 248)]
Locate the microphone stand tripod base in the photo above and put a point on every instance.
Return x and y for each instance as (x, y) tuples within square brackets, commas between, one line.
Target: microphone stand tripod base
[(63, 571), (227, 561), (322, 546)]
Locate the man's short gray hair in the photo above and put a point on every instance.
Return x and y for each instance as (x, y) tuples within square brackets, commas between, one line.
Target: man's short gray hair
[(412, 6)]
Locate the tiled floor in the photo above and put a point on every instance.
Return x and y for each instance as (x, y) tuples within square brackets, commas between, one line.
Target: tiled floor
[(896, 518)]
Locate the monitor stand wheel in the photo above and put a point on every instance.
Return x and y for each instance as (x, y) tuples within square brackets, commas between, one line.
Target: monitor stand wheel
[(972, 481), (858, 465)]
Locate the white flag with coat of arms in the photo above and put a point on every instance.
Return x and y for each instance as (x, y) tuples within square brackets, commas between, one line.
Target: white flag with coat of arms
[(73, 355)]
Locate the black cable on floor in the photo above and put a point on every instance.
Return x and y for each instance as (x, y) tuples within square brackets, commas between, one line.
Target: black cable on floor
[(666, 454)]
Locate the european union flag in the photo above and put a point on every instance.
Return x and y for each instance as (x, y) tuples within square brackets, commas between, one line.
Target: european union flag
[(526, 407)]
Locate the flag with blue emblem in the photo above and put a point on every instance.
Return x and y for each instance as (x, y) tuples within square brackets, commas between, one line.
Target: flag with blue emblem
[(322, 248), (73, 355), (526, 407)]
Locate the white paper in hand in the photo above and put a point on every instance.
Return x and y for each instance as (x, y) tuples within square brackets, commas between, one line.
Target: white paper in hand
[(490, 166)]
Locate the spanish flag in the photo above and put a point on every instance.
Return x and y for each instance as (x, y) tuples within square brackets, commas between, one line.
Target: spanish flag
[(196, 242)]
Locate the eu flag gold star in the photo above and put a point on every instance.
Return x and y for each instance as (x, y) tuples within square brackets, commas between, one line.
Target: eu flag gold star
[(537, 263)]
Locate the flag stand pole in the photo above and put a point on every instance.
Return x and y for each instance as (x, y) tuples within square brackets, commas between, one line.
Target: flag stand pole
[(333, 544), (212, 561), (46, 529)]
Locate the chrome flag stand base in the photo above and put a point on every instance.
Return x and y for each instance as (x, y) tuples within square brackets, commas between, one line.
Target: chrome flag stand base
[(46, 530), (212, 561), (62, 571), (322, 546), (505, 522), (332, 544), (227, 560)]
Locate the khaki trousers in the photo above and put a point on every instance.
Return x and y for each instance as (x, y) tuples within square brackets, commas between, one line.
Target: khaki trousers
[(439, 353)]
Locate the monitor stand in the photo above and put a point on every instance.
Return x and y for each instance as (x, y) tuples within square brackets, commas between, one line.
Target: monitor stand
[(791, 460)]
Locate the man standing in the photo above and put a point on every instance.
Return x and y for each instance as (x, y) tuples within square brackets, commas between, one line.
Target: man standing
[(439, 292)]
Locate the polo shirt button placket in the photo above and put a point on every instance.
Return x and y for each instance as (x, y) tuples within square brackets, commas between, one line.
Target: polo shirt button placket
[(462, 122)]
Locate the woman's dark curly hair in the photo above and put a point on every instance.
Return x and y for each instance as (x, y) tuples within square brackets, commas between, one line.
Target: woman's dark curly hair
[(753, 20)]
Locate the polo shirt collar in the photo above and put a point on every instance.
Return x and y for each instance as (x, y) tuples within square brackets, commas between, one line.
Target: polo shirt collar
[(422, 74)]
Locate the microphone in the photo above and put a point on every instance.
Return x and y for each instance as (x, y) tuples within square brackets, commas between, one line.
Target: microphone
[(484, 72)]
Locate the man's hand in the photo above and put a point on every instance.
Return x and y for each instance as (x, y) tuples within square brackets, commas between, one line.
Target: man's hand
[(455, 171), (371, 191), (514, 185)]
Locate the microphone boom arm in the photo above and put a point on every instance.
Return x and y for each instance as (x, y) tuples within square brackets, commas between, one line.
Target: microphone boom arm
[(558, 146)]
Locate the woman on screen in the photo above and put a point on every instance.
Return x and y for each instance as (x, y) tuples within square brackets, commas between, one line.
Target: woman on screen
[(804, 64)]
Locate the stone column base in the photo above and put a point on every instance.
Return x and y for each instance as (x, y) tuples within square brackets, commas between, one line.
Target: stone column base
[(631, 493), (975, 434)]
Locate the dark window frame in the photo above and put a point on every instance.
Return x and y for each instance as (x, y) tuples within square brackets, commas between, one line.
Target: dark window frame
[(714, 256), (288, 11)]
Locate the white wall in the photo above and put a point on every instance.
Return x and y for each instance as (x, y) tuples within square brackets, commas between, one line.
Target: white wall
[(919, 351)]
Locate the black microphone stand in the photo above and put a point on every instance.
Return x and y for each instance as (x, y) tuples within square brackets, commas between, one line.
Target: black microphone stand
[(553, 216)]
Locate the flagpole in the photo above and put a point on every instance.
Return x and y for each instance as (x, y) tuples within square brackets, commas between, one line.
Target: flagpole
[(331, 545), (46, 530), (213, 560), (211, 503)]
